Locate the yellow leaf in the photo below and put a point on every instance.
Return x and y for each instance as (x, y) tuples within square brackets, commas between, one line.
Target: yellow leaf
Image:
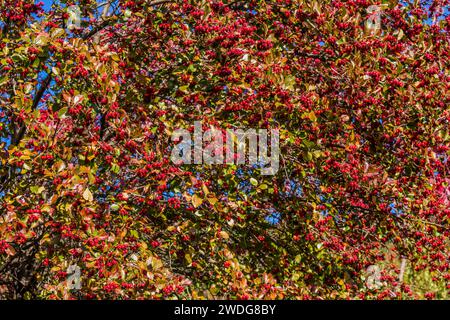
[(87, 195), (56, 33), (156, 264), (205, 189), (212, 199), (224, 235), (196, 201), (115, 56)]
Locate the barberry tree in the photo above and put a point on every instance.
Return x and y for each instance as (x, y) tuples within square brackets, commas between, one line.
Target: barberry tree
[(88, 104)]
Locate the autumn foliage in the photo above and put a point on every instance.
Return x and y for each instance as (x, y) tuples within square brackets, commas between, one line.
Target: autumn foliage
[(86, 116)]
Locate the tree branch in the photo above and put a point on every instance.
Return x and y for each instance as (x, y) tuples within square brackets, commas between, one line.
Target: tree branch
[(155, 3), (36, 100)]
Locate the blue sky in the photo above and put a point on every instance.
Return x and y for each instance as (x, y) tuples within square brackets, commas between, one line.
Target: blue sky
[(47, 4)]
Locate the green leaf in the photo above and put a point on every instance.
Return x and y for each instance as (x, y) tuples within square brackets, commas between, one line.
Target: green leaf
[(62, 112), (134, 233), (37, 189), (3, 80), (191, 68), (184, 88), (115, 168), (36, 63)]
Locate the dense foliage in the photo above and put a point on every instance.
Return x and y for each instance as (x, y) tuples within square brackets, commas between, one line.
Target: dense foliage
[(86, 115)]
